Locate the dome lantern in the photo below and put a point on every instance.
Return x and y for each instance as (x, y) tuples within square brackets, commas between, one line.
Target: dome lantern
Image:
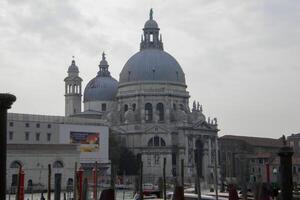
[(103, 67), (151, 34), (73, 69)]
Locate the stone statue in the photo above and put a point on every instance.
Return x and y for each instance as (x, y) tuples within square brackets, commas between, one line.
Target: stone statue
[(194, 105), (283, 140), (129, 115)]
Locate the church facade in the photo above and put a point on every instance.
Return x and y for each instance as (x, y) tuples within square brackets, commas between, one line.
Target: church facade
[(148, 108)]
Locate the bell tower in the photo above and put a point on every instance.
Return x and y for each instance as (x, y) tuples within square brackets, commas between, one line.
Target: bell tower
[(73, 90)]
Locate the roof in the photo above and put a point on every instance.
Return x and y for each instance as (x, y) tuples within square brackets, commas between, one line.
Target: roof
[(101, 88), (152, 65), (255, 141)]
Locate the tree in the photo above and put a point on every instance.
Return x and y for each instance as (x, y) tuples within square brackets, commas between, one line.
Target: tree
[(128, 162), (122, 157)]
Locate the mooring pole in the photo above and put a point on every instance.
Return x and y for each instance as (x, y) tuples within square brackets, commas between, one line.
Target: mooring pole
[(141, 178), (164, 179), (75, 182), (49, 182), (198, 171), (6, 101), (182, 173), (216, 170), (286, 173), (95, 175)]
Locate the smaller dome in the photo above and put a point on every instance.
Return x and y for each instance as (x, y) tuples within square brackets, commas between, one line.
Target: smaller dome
[(150, 24), (103, 62), (101, 89), (73, 68)]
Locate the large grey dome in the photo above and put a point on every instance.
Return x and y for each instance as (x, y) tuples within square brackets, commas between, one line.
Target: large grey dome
[(152, 64), (101, 89)]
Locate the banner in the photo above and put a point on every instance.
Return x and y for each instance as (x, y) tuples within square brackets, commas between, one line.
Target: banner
[(88, 142)]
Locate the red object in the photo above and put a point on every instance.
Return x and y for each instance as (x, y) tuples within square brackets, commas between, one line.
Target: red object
[(268, 172), (80, 182), (21, 184), (233, 195), (95, 183)]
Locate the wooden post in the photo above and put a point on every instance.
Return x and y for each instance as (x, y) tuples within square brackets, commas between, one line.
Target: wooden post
[(198, 170), (80, 183), (141, 179), (182, 173), (85, 189), (75, 183), (216, 172), (95, 180), (112, 177), (49, 183), (286, 171), (164, 179), (18, 184), (21, 184)]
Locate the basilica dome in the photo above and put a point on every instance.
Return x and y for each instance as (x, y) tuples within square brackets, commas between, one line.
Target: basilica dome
[(152, 63), (103, 87)]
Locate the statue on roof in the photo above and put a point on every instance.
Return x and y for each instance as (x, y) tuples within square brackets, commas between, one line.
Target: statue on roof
[(151, 14)]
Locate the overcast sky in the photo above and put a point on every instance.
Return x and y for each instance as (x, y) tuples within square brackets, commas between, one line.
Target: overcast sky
[(240, 58)]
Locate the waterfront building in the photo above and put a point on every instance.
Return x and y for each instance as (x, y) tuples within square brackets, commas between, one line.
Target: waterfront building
[(35, 141), (149, 109)]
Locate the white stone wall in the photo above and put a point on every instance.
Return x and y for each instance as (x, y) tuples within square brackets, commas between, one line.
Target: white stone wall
[(35, 160)]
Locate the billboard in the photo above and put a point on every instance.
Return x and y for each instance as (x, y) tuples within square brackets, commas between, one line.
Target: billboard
[(88, 141)]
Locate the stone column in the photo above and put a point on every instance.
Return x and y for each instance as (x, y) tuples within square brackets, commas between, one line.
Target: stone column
[(6, 101), (142, 106), (209, 151), (286, 174)]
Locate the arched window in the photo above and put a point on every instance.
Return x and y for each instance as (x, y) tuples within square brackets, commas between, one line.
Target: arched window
[(70, 182), (160, 110), (150, 142), (162, 142), (156, 141), (125, 107), (58, 164), (15, 164), (133, 107), (148, 112)]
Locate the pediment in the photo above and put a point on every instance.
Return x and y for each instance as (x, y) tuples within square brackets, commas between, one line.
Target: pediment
[(202, 125), (156, 129)]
